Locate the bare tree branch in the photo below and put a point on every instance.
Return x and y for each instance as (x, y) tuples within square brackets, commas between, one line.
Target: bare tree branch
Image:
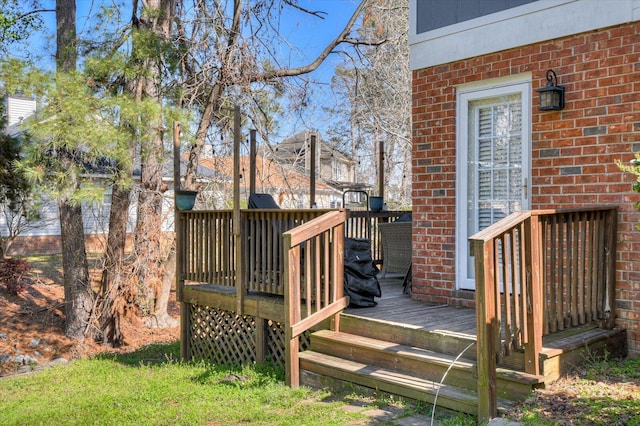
[(318, 13), (342, 37)]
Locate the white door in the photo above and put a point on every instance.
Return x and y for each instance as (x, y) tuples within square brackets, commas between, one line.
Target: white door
[(493, 162)]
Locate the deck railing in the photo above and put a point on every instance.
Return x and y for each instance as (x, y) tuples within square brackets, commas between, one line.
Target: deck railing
[(364, 224), (263, 254), (208, 247), (313, 271), (538, 272), (208, 250)]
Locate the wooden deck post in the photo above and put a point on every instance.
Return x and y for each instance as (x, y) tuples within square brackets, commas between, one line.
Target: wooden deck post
[(312, 171), (534, 288), (487, 327), (185, 331), (611, 228), (338, 270), (185, 324), (178, 227), (237, 235), (292, 313), (381, 169), (261, 339), (252, 161)]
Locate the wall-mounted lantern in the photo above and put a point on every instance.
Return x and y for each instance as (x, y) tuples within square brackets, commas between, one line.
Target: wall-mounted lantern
[(552, 95)]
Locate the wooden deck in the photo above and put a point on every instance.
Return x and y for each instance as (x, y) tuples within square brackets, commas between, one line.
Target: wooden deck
[(561, 351), (545, 291), (399, 308)]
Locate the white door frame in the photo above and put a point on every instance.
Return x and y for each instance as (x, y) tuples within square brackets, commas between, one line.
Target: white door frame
[(465, 95)]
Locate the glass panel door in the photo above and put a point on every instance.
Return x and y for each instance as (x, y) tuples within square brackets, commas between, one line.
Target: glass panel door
[(494, 171)]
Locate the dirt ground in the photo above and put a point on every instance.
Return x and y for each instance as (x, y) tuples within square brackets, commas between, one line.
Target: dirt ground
[(32, 323)]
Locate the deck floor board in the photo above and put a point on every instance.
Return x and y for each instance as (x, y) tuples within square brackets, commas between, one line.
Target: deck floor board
[(394, 306)]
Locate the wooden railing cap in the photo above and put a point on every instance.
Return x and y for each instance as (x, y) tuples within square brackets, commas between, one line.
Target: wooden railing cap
[(515, 218), (315, 226)]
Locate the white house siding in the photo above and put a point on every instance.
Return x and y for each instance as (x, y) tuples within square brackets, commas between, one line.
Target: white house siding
[(19, 108), (43, 235)]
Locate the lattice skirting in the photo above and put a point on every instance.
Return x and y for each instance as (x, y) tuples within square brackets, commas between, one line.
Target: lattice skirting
[(225, 337)]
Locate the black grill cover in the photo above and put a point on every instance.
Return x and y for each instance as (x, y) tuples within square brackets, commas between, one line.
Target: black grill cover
[(262, 201), (360, 282)]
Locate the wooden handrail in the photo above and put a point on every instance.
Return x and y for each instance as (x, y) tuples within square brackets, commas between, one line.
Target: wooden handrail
[(502, 226), (538, 272), (313, 276)]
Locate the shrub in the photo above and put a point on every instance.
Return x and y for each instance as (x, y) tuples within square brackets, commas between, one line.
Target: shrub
[(13, 274)]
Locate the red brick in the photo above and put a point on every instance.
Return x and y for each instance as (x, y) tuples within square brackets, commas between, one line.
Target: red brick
[(600, 71)]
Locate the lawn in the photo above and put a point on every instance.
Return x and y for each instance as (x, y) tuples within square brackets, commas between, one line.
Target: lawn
[(151, 386), (144, 382)]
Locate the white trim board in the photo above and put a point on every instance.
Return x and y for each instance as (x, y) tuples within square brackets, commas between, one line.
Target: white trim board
[(519, 26)]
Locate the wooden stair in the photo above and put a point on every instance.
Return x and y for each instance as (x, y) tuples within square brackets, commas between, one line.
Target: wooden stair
[(405, 361)]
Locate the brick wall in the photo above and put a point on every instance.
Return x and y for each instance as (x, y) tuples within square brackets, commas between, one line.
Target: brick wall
[(573, 151), (51, 244)]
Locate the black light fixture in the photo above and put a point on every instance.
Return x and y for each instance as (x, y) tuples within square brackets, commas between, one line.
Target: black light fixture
[(551, 95)]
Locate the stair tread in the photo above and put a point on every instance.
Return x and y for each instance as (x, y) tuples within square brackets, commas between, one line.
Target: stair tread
[(571, 339), (421, 354), (383, 375), (396, 348)]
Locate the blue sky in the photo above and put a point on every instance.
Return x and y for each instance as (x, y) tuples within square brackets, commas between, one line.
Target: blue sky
[(307, 35), (310, 35)]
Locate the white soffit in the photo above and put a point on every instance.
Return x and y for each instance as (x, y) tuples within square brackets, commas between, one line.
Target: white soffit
[(527, 24)]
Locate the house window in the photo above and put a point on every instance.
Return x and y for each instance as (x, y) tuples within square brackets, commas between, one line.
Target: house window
[(337, 171), (495, 142), (493, 146)]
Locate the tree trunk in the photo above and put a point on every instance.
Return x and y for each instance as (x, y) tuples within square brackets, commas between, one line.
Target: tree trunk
[(149, 265), (77, 286), (77, 289), (161, 317), (115, 295), (148, 233)]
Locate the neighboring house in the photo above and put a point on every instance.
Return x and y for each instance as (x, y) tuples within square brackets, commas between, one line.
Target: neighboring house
[(281, 177), (287, 184), (17, 109), (482, 147), (332, 166), (43, 236)]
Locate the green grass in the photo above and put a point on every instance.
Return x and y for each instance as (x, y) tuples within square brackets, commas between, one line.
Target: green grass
[(152, 387)]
